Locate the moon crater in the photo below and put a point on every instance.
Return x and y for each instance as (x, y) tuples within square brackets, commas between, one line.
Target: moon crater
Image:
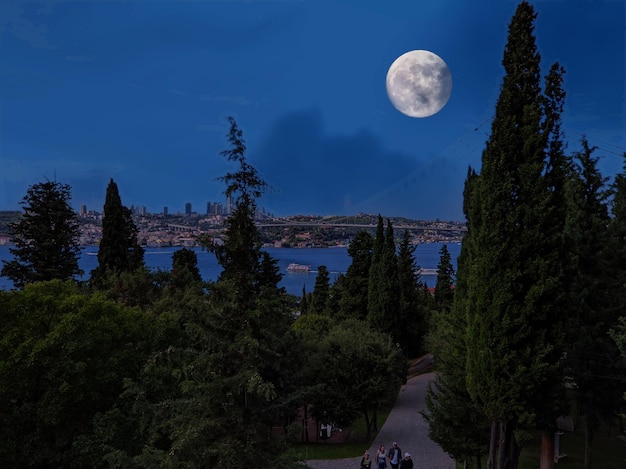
[(419, 83)]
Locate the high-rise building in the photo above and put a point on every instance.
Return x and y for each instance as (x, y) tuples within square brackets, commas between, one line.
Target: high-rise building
[(229, 205), (218, 208), (208, 208), (165, 211), (188, 208), (83, 210)]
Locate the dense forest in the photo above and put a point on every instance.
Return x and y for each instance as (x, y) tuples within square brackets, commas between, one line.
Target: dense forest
[(136, 368)]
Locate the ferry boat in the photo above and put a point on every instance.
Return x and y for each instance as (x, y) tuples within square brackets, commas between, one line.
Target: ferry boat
[(293, 267)]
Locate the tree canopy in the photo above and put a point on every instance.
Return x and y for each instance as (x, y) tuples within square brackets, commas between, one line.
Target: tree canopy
[(46, 237)]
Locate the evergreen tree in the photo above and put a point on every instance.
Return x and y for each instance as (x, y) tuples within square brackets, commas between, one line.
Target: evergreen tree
[(119, 250), (617, 232), (552, 402), (390, 287), (186, 259), (592, 356), (335, 293), (444, 288), (375, 313), (46, 237), (185, 272), (353, 302), (321, 291), (413, 300), (304, 304), (515, 278), (216, 394), (455, 422)]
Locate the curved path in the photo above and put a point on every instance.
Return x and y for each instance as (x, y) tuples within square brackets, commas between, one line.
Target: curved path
[(406, 426)]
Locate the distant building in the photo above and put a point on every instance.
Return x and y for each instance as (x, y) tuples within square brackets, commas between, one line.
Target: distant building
[(165, 211), (229, 205), (83, 210), (188, 208), (208, 208)]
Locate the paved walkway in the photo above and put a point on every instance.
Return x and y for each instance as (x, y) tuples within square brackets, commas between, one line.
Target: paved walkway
[(406, 426)]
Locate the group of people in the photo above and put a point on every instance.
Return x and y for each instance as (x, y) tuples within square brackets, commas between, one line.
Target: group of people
[(393, 456)]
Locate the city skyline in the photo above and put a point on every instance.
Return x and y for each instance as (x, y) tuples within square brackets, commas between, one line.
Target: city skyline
[(140, 92)]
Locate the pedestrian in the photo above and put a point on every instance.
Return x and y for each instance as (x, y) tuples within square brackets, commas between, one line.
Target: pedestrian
[(395, 456), (381, 457), (366, 462), (407, 462)]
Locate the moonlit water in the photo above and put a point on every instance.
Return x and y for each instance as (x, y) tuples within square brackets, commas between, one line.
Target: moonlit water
[(336, 261)]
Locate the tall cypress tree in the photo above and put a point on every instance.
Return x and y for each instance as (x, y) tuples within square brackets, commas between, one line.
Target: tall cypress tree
[(444, 293), (390, 287), (592, 356), (353, 302), (455, 422), (321, 291), (119, 250), (617, 232), (412, 295), (375, 312), (515, 264)]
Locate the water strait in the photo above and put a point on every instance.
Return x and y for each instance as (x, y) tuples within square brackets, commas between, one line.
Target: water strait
[(336, 260)]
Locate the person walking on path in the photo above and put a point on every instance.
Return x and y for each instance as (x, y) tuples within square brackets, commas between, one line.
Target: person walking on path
[(381, 457), (366, 462), (407, 462), (406, 424), (395, 455)]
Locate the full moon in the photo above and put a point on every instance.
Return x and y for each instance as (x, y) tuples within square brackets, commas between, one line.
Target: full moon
[(419, 83)]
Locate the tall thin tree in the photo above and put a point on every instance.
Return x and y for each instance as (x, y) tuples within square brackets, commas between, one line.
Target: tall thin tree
[(119, 250), (515, 262)]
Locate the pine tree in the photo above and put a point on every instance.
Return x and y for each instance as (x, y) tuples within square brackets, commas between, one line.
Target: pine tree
[(515, 258), (251, 343), (455, 422), (592, 356), (119, 250), (185, 272), (353, 302), (214, 393), (412, 296), (444, 288), (304, 304), (186, 259), (617, 232), (321, 291), (46, 237), (375, 312), (390, 287)]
